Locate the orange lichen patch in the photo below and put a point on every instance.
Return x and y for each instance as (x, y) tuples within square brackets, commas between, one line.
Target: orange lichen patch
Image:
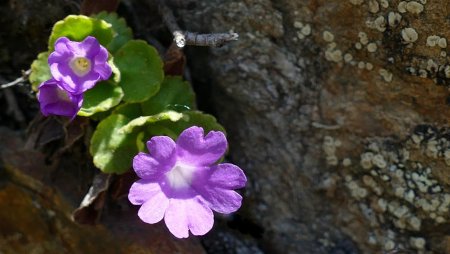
[(20, 218), (27, 226)]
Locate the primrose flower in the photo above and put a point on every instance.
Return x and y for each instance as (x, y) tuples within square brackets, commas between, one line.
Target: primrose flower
[(79, 65), (55, 100), (182, 184)]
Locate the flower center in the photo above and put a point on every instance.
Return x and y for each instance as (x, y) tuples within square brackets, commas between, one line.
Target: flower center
[(180, 176), (80, 65), (62, 95)]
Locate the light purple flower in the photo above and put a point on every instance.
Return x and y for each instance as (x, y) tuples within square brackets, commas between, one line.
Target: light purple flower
[(54, 100), (182, 184), (79, 65)]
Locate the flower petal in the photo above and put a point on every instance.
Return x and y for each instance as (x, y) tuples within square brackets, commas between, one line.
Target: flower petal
[(102, 56), (176, 218), (227, 176), (221, 200), (101, 65), (201, 220), (153, 210), (104, 70), (61, 45), (146, 167), (195, 149), (61, 109), (56, 101), (61, 72), (183, 215), (161, 158), (61, 55), (85, 82), (142, 190), (71, 82), (88, 48), (162, 148), (59, 65)]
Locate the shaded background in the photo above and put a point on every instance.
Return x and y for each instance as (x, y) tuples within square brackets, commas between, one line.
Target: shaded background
[(336, 110)]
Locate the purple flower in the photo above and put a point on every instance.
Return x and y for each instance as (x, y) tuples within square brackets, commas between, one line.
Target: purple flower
[(79, 65), (54, 100), (182, 184)]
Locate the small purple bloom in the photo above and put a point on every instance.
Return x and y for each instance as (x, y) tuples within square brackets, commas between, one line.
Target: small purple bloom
[(79, 65), (182, 184), (54, 100)]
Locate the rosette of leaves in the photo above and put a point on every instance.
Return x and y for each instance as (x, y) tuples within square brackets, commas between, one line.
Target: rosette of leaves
[(136, 103)]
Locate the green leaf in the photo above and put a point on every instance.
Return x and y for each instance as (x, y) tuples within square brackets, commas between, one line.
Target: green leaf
[(121, 32), (172, 123), (78, 27), (100, 115), (141, 70), (40, 71), (102, 97), (145, 120), (115, 70), (189, 119), (130, 110), (140, 141), (113, 150), (174, 94)]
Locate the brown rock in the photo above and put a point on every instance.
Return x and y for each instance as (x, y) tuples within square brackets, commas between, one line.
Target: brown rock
[(339, 69)]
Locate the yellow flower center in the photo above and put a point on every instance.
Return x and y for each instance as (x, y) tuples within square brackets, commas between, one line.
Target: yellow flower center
[(80, 65)]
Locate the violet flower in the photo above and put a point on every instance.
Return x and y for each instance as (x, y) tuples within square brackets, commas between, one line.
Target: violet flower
[(182, 184), (55, 100), (79, 65)]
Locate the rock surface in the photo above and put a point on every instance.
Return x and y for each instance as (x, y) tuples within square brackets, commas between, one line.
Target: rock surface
[(338, 112)]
